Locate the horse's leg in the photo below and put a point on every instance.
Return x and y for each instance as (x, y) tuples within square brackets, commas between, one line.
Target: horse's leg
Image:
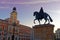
[(48, 21), (34, 21), (45, 20), (39, 21)]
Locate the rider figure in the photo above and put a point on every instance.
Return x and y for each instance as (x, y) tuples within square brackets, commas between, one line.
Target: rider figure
[(41, 12)]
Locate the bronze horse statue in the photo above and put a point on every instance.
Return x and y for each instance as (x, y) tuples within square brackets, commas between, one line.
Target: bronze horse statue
[(42, 15)]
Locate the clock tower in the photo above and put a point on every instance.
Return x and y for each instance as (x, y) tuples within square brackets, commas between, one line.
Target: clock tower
[(13, 16)]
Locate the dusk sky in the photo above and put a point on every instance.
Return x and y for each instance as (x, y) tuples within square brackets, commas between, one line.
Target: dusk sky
[(25, 9)]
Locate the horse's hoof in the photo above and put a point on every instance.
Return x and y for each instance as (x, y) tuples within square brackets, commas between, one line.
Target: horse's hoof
[(34, 22), (48, 23)]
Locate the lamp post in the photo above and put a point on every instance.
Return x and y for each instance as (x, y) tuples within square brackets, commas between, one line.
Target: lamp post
[(14, 24)]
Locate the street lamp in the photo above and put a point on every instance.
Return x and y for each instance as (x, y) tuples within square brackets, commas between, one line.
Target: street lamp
[(14, 24)]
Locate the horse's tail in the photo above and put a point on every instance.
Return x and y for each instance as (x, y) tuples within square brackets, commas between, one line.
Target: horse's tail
[(50, 19)]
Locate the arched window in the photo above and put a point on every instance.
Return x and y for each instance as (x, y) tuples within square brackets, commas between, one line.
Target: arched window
[(19, 38), (12, 37), (0, 28), (8, 38), (16, 38), (3, 38)]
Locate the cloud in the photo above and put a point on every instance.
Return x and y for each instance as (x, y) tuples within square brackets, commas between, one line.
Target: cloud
[(31, 2), (4, 7), (55, 11)]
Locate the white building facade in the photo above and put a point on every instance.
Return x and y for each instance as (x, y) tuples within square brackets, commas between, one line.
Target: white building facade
[(57, 34), (7, 30)]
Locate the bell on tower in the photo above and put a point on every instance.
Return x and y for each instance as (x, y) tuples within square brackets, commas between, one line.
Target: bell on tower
[(14, 8)]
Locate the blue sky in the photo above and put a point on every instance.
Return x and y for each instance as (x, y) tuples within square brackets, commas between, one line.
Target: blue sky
[(25, 9)]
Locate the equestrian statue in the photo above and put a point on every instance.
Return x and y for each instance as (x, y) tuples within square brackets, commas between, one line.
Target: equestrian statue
[(42, 15)]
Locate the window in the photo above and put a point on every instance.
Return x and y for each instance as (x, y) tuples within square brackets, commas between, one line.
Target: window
[(8, 38), (16, 29), (10, 28), (3, 38), (16, 38), (0, 28), (0, 34), (12, 37), (5, 34), (19, 38), (5, 29)]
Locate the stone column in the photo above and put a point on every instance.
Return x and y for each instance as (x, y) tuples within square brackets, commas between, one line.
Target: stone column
[(43, 32)]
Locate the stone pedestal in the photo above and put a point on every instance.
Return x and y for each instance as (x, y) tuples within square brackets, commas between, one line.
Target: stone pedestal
[(43, 32)]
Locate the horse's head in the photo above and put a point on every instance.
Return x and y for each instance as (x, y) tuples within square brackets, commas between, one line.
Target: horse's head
[(35, 13)]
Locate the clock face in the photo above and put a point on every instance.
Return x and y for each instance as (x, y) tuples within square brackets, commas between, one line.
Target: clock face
[(14, 15)]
